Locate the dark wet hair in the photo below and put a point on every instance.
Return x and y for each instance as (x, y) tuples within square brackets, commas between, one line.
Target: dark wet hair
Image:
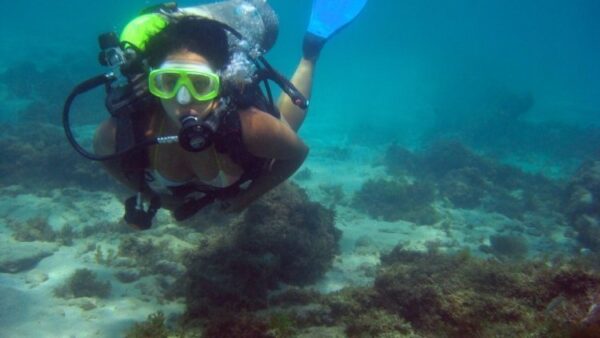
[(197, 35)]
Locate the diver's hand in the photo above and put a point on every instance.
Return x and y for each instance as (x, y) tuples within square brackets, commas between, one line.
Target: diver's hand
[(131, 97)]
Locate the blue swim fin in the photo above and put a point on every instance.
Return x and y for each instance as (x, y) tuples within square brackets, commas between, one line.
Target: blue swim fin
[(329, 16)]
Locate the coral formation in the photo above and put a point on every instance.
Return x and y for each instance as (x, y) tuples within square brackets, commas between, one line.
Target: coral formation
[(35, 229), (582, 204), (45, 89), (378, 323), (509, 246), (34, 148), (333, 194), (304, 174), (242, 324), (467, 180), (38, 229), (393, 200), (400, 161), (485, 116), (283, 238), (429, 294), (83, 283), (457, 295), (153, 327), (138, 257), (489, 116)]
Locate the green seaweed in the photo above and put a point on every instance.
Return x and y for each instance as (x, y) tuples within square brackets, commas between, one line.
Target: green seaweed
[(83, 283), (153, 327), (393, 200)]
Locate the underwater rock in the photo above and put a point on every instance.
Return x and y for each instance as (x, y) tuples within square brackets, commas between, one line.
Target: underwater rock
[(488, 106), (365, 245), (20, 78), (83, 283), (333, 194), (304, 174), (35, 229), (464, 187), (127, 275), (582, 204), (378, 323), (590, 325), (509, 246), (400, 161), (299, 232), (468, 180), (457, 295), (322, 332), (392, 200), (46, 88), (336, 153), (35, 278), (149, 257), (488, 117), (34, 148), (430, 294), (155, 327), (444, 156), (84, 303), (243, 324), (17, 257), (282, 238)]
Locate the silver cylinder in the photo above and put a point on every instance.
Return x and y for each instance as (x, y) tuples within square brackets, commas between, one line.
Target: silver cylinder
[(254, 19)]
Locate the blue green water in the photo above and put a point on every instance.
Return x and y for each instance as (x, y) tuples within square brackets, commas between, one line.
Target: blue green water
[(513, 80), (399, 63)]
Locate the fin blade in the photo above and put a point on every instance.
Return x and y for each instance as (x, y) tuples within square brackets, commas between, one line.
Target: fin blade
[(329, 16)]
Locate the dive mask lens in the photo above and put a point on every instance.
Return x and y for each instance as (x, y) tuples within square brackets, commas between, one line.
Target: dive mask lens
[(199, 80)]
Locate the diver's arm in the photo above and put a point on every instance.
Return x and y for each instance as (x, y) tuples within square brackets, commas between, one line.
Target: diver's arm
[(104, 144), (268, 137), (272, 177), (302, 80)]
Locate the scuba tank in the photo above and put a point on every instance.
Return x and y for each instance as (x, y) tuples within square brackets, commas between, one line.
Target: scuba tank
[(255, 20)]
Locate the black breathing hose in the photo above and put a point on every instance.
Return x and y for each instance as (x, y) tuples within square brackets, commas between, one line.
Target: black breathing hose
[(81, 88)]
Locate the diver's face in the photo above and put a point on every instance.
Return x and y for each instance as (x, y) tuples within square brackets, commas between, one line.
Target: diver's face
[(184, 103)]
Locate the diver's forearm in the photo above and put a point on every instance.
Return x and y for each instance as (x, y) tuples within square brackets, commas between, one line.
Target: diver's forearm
[(280, 171)]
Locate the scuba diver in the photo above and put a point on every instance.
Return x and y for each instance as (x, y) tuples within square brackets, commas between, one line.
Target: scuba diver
[(190, 123)]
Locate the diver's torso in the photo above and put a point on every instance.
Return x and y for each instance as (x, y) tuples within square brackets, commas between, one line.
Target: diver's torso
[(178, 165), (208, 167)]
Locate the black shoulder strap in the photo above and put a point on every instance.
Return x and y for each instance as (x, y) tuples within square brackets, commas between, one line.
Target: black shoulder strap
[(129, 133), (133, 166)]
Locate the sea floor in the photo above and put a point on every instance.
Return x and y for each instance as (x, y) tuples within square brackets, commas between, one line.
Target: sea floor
[(30, 308)]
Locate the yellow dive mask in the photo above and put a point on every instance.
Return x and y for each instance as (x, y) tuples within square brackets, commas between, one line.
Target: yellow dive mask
[(201, 82)]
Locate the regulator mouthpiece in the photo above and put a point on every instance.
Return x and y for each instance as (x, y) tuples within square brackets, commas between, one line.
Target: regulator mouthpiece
[(196, 135)]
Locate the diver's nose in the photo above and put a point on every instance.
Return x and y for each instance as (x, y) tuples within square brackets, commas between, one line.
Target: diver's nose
[(184, 96)]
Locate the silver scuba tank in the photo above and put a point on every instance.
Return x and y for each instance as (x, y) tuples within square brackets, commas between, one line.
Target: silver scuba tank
[(254, 19)]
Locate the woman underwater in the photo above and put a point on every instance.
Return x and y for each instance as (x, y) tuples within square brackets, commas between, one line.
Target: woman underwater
[(238, 146)]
